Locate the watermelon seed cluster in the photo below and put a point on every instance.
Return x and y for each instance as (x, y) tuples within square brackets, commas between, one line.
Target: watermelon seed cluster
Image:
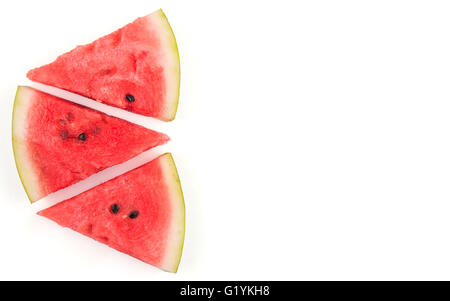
[(115, 209)]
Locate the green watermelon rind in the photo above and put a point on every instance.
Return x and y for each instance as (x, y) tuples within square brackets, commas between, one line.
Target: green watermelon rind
[(171, 260), (26, 171), (172, 65)]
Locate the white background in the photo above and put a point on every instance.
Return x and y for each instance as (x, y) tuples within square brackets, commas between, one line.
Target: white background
[(312, 140)]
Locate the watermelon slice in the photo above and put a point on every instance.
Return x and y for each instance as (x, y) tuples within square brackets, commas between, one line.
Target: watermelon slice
[(134, 68), (140, 213), (58, 143)]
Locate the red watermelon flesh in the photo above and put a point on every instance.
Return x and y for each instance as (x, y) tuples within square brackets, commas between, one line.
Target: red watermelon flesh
[(140, 213), (58, 143), (134, 68)]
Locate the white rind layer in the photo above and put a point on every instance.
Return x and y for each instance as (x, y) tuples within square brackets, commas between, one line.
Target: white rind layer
[(158, 20), (176, 231), (23, 159)]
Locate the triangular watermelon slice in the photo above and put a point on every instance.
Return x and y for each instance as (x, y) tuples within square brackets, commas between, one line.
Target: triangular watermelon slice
[(58, 143), (134, 68), (140, 213)]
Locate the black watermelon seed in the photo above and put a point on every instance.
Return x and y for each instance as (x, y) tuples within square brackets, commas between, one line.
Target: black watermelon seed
[(129, 97), (133, 214), (115, 208), (70, 116), (82, 136)]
